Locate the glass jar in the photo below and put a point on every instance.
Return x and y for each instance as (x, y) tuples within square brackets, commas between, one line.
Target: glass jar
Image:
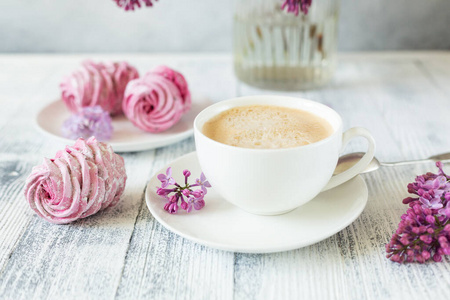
[(277, 50)]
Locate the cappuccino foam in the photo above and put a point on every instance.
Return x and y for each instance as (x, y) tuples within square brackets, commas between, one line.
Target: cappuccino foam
[(265, 127)]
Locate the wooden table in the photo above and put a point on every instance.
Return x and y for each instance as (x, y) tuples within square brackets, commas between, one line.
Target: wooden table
[(124, 253)]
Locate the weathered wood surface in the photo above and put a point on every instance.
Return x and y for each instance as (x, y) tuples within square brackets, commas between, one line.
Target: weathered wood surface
[(124, 253)]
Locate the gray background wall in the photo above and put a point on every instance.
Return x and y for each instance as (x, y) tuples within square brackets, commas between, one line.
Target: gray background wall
[(204, 25)]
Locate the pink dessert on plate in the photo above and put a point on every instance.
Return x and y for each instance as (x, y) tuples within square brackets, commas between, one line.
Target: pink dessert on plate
[(80, 181), (179, 80), (100, 84), (158, 100)]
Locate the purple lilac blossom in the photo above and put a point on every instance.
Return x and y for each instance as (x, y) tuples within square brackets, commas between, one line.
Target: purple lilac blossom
[(130, 4), (296, 6), (194, 198), (424, 230), (89, 121), (167, 178)]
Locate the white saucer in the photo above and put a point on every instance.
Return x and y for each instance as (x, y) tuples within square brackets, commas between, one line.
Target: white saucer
[(126, 136), (223, 226)]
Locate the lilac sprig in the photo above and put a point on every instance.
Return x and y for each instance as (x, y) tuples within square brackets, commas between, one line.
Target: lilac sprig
[(130, 4), (182, 196), (89, 121), (424, 231), (296, 6)]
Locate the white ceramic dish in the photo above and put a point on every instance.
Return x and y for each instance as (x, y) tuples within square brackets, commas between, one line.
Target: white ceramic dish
[(223, 226), (126, 136)]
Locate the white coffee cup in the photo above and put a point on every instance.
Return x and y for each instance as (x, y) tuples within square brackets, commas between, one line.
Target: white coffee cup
[(275, 181)]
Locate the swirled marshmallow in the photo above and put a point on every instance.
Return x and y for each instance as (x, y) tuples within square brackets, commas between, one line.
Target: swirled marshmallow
[(80, 181), (156, 101), (100, 84)]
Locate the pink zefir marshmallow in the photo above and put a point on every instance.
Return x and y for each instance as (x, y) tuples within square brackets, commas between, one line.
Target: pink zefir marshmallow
[(100, 84), (156, 102), (80, 181), (178, 79)]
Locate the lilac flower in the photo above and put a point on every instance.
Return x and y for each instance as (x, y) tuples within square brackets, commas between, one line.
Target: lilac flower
[(203, 182), (424, 230), (166, 179), (295, 6), (130, 4), (194, 198), (90, 121)]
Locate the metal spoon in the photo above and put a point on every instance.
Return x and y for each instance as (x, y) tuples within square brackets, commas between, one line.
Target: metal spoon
[(347, 161)]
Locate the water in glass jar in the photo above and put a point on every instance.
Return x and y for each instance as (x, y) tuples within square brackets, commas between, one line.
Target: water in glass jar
[(292, 54)]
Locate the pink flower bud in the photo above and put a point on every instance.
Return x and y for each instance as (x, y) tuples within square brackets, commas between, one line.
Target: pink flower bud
[(447, 228), (197, 193), (437, 257), (426, 239), (430, 219), (426, 255), (419, 259), (442, 239), (173, 198), (163, 192), (395, 258), (446, 250), (408, 200)]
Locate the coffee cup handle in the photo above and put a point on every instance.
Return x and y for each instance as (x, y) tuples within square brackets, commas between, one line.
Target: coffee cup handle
[(360, 166)]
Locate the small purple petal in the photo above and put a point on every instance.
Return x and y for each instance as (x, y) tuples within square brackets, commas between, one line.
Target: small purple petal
[(202, 177), (207, 184), (161, 177)]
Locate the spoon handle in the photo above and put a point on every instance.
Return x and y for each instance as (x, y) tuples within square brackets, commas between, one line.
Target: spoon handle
[(411, 162)]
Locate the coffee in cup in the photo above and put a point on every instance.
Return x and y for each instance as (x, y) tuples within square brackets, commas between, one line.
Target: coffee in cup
[(266, 126)]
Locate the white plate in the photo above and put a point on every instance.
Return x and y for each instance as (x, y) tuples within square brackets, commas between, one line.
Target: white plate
[(126, 137), (223, 226)]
